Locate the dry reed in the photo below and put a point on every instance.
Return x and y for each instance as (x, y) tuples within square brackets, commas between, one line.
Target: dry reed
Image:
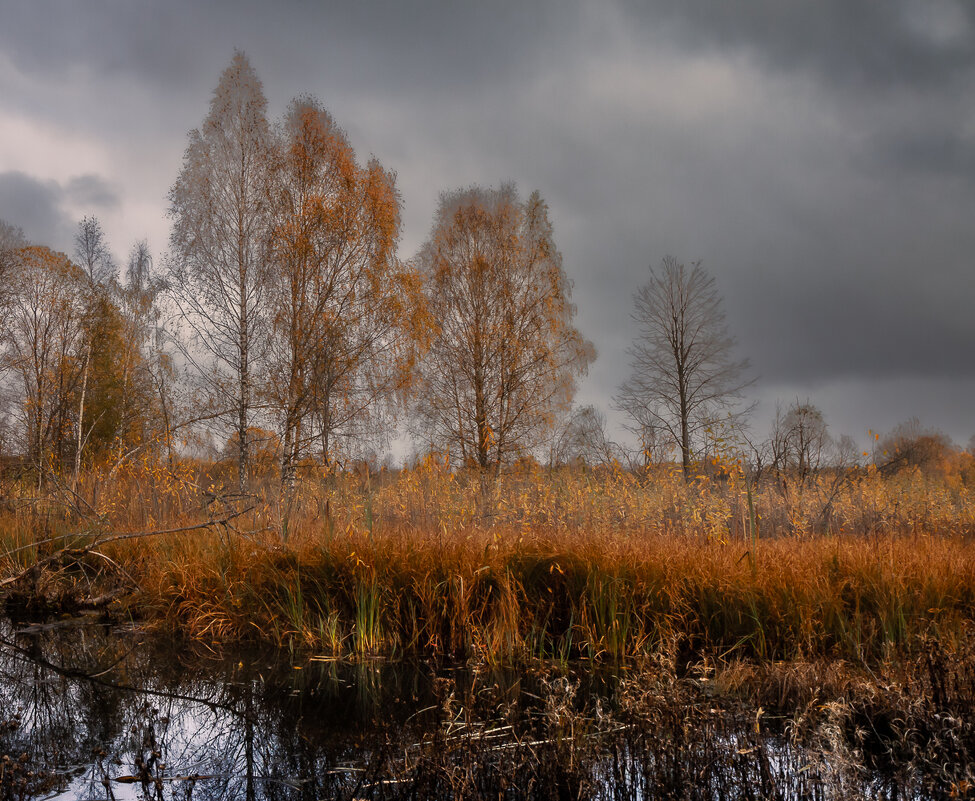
[(561, 564)]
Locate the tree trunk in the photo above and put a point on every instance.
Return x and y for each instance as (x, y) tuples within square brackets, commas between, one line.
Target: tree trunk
[(39, 428), (242, 452), (287, 477), (685, 435), (81, 419), (685, 447), (480, 419), (243, 401)]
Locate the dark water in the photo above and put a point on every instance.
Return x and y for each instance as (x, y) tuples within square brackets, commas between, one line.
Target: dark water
[(93, 712)]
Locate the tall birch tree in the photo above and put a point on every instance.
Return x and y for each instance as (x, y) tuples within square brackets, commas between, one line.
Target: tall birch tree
[(344, 309), (505, 357), (221, 215)]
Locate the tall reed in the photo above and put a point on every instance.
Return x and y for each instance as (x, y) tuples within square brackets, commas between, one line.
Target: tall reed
[(563, 564)]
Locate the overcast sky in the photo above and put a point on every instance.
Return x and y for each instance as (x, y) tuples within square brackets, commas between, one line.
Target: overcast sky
[(817, 157)]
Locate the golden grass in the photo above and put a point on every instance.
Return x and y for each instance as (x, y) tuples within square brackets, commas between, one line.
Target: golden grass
[(561, 565), (505, 595)]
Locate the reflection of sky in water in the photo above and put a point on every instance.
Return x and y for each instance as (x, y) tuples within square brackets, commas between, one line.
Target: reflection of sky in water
[(251, 727), (248, 725)]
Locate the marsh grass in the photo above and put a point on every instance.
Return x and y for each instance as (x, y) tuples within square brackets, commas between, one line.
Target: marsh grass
[(558, 565), (609, 596)]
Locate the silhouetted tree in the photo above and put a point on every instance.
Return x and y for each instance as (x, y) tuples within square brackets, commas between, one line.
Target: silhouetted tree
[(583, 440), (683, 373), (800, 440)]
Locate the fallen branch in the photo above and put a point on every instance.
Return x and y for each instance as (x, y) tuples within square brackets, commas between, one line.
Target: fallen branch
[(132, 535)]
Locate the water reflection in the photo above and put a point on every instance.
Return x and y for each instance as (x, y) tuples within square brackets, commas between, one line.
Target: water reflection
[(92, 713)]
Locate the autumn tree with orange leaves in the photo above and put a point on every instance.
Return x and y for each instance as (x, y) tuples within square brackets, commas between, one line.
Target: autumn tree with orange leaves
[(41, 339), (505, 357), (345, 312)]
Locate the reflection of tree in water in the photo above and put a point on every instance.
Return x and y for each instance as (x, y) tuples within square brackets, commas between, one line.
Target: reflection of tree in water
[(61, 721), (88, 698), (74, 691), (108, 714)]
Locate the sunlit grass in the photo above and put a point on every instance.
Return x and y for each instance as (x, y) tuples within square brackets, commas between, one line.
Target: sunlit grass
[(502, 595), (559, 565)]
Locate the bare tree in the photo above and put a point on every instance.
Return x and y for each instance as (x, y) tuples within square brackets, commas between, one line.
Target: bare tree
[(221, 215), (92, 253), (683, 371), (800, 441), (343, 308), (506, 354), (583, 440), (11, 237), (147, 375), (11, 240)]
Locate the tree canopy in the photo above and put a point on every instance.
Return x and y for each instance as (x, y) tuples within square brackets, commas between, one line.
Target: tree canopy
[(505, 356)]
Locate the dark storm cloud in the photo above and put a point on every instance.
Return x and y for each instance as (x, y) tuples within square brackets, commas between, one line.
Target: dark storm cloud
[(35, 206), (845, 252), (44, 209), (860, 46), (438, 43)]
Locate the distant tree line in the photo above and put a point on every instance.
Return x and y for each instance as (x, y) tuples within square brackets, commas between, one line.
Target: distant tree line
[(283, 322)]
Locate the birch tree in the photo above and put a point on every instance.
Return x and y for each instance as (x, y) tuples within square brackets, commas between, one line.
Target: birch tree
[(683, 371), (221, 213), (100, 272), (344, 309), (505, 356)]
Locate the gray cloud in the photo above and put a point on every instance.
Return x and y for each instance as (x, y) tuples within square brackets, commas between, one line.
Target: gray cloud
[(856, 46), (817, 157), (45, 210), (91, 191), (35, 206), (182, 42)]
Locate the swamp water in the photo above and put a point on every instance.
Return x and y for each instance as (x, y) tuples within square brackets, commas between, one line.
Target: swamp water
[(92, 712)]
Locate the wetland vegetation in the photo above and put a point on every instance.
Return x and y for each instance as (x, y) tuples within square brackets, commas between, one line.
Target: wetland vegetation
[(219, 583), (548, 634)]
